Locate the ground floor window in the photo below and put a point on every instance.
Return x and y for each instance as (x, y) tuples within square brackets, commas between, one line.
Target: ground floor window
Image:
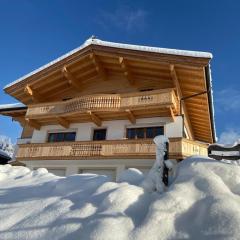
[(62, 137), (144, 132)]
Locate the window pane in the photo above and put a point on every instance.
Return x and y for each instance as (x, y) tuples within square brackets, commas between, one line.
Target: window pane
[(70, 136), (140, 132), (51, 137), (150, 132), (159, 131), (99, 134), (60, 137), (131, 133)]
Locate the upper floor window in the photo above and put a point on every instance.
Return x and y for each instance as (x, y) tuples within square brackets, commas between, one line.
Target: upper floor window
[(144, 132), (62, 137), (146, 89), (99, 134)]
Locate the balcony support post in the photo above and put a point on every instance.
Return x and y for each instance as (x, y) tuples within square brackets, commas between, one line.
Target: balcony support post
[(33, 123), (130, 116), (172, 113), (63, 122), (95, 118)]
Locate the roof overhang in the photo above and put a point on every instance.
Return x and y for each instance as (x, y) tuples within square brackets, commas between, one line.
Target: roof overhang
[(96, 59)]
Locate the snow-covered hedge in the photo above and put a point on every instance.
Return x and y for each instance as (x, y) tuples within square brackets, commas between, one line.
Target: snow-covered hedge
[(202, 203)]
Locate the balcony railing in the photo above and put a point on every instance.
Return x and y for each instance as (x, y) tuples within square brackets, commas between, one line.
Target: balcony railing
[(178, 148), (105, 102)]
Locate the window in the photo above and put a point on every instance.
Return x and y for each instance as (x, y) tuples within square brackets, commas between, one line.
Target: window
[(99, 134), (146, 132), (62, 137), (146, 89)]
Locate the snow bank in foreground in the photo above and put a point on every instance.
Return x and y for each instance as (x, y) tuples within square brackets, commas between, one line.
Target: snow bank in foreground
[(202, 203)]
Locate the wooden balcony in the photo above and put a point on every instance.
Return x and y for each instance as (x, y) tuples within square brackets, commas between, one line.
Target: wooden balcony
[(179, 148), (97, 108)]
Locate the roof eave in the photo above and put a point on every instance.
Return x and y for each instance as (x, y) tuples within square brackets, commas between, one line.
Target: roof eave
[(210, 101)]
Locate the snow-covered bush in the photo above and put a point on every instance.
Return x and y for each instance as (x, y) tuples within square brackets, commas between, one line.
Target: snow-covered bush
[(6, 145)]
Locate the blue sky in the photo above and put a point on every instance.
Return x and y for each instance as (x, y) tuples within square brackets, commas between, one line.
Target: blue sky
[(35, 32)]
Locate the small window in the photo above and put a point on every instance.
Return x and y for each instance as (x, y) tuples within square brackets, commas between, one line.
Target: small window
[(146, 89), (65, 99), (146, 132), (99, 134), (62, 137)]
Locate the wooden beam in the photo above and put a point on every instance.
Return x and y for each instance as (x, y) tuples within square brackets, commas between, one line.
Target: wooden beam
[(126, 71), (71, 79), (175, 81), (33, 123), (172, 113), (130, 116), (95, 118), (33, 94), (98, 66), (187, 121), (63, 122)]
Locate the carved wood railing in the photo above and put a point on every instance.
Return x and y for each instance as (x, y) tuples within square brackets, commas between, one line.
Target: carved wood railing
[(178, 148), (105, 102)]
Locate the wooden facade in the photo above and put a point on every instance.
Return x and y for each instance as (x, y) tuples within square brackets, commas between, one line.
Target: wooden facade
[(102, 82), (102, 69)]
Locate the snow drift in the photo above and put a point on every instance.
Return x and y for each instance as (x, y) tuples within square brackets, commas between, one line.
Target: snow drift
[(202, 203)]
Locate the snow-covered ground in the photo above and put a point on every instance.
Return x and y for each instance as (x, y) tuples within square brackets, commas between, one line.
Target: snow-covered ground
[(202, 203)]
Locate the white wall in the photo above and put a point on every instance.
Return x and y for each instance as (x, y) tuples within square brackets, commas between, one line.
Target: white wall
[(174, 129), (73, 166), (115, 129)]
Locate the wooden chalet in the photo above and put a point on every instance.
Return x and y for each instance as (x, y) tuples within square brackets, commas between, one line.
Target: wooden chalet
[(97, 108)]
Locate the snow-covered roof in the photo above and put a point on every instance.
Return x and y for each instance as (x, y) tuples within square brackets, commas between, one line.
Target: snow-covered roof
[(12, 105), (95, 41), (226, 146)]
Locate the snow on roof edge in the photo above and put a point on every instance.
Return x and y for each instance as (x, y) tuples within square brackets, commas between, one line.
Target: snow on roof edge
[(227, 145), (11, 105), (212, 105), (99, 42)]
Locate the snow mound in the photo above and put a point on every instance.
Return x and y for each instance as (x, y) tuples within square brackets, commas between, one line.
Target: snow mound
[(131, 176), (202, 203)]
